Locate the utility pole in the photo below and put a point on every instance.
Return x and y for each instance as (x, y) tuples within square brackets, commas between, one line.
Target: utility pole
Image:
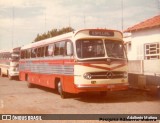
[(12, 26), (69, 21), (45, 24), (122, 15), (84, 20)]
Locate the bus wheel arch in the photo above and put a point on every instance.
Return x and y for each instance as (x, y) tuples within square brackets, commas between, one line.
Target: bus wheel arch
[(59, 87)]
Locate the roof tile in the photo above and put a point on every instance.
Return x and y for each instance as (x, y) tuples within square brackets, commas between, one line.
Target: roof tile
[(152, 22)]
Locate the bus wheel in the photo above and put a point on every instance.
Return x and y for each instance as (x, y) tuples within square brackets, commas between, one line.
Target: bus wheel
[(60, 90), (103, 93)]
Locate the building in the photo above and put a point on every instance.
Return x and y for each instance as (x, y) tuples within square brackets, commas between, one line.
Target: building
[(143, 50), (144, 41)]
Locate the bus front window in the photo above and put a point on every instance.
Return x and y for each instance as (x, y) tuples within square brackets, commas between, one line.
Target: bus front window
[(15, 57), (90, 48), (114, 49)]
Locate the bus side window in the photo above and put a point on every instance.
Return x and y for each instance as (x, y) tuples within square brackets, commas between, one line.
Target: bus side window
[(22, 54), (56, 51), (69, 48), (46, 51), (39, 52), (62, 48), (42, 52), (28, 53), (51, 49), (59, 48), (33, 53)]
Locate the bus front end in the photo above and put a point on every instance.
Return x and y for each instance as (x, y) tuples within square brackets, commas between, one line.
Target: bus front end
[(101, 63), (14, 65)]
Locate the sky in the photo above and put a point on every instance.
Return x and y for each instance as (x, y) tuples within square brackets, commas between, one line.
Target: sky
[(22, 20)]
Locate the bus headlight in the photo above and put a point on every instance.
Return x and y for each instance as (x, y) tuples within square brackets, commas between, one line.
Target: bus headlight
[(87, 76)]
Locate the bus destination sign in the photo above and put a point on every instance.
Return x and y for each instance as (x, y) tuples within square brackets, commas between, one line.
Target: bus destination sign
[(101, 33)]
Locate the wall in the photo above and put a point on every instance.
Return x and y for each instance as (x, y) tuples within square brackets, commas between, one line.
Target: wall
[(138, 39)]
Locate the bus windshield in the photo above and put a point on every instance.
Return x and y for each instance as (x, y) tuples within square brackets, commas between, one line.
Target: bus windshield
[(95, 48), (114, 49), (15, 56)]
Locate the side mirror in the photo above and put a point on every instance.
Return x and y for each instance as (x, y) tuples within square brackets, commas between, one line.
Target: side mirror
[(69, 49)]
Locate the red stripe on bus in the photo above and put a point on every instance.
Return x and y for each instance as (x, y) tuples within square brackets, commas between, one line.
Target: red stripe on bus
[(104, 68)]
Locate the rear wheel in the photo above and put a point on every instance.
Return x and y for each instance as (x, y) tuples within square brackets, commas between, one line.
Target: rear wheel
[(60, 90)]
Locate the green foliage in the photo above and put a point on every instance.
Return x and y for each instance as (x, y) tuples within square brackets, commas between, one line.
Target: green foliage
[(53, 33)]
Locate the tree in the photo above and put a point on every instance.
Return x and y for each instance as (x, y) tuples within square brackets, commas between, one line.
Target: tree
[(53, 33)]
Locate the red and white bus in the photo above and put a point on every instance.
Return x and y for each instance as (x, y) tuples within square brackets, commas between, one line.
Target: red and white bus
[(9, 63), (81, 61)]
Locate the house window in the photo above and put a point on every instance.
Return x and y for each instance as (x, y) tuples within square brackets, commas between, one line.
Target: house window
[(152, 51)]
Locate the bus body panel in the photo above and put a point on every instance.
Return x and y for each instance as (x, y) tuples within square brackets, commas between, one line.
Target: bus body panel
[(72, 71)]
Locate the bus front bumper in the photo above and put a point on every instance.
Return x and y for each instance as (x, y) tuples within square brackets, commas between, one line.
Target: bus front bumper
[(102, 87), (13, 73)]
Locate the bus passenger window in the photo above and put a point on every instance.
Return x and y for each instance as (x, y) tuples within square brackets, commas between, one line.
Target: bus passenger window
[(62, 48), (25, 54), (39, 52), (42, 52), (59, 48), (49, 51), (33, 53), (22, 54), (28, 53), (46, 51), (56, 51)]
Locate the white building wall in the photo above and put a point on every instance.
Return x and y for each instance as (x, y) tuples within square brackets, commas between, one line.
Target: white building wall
[(138, 39)]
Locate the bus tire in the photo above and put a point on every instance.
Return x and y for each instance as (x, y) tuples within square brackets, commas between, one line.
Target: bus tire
[(60, 90)]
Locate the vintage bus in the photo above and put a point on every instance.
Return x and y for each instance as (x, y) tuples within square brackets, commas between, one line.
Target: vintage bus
[(81, 61), (9, 63)]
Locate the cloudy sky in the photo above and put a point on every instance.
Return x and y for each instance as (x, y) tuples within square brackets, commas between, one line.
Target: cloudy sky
[(22, 20)]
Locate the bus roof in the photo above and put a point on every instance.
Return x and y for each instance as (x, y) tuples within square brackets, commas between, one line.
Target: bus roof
[(5, 51), (77, 35), (48, 40)]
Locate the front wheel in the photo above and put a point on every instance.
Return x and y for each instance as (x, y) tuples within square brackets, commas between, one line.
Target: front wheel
[(60, 90)]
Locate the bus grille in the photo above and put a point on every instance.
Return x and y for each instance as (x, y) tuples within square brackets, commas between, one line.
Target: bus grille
[(108, 75)]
